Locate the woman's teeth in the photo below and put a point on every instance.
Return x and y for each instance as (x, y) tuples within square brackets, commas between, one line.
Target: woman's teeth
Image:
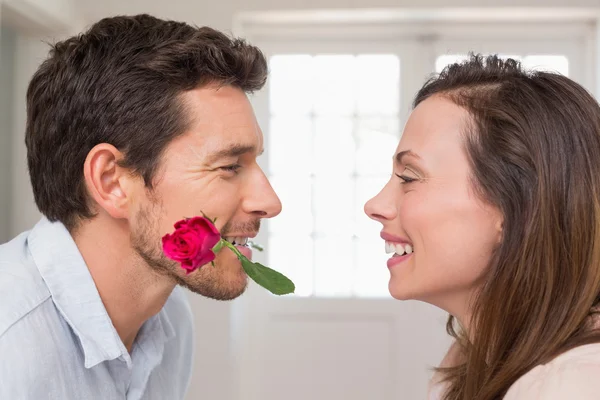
[(398, 248), (240, 241)]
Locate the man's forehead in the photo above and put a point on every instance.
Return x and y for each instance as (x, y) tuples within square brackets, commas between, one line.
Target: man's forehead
[(219, 138)]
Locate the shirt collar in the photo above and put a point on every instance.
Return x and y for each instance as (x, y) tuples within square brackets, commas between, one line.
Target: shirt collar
[(74, 292)]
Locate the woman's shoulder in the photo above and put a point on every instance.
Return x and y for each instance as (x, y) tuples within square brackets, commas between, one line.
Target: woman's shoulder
[(575, 374)]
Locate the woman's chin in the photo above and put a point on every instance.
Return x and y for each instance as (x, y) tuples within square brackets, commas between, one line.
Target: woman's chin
[(400, 292)]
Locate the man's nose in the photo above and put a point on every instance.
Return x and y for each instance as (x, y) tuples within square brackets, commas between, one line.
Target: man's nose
[(261, 200)]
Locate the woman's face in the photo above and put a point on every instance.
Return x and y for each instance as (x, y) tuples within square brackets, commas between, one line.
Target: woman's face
[(439, 234)]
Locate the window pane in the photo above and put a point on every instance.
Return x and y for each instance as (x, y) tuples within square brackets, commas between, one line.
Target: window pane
[(553, 63), (295, 195), (334, 266), (292, 255), (290, 84), (290, 145), (378, 79), (377, 141), (334, 202), (372, 275), (334, 84), (334, 119), (334, 146)]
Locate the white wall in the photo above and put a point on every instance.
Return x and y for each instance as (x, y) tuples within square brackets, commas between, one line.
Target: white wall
[(221, 14), (32, 22), (7, 51), (42, 17), (213, 372), (30, 53)]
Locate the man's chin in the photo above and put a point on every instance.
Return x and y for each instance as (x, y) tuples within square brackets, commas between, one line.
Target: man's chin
[(220, 292), (220, 282)]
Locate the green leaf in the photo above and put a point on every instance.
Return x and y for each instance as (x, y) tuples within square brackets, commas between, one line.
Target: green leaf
[(219, 246), (275, 282)]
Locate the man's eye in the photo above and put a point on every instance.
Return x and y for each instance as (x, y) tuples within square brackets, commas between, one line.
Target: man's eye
[(232, 168)]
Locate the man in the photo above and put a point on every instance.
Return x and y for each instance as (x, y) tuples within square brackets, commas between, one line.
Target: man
[(132, 126)]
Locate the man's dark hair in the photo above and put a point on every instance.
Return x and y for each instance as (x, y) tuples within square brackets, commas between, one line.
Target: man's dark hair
[(121, 83)]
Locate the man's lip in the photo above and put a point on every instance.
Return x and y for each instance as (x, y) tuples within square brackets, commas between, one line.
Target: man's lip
[(248, 235), (388, 237), (246, 251)]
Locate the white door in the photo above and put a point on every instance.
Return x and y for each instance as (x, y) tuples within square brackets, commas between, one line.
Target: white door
[(332, 115)]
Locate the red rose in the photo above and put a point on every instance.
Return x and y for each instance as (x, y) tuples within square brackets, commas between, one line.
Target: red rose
[(192, 242)]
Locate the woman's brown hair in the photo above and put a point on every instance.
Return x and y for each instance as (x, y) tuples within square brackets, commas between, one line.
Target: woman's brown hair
[(533, 143)]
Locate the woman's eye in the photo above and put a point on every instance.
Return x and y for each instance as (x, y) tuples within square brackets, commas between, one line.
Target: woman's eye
[(408, 176), (406, 179)]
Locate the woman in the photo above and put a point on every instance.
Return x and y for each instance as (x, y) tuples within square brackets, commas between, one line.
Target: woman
[(493, 213)]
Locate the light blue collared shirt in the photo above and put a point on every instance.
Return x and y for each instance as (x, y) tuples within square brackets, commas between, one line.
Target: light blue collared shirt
[(57, 341)]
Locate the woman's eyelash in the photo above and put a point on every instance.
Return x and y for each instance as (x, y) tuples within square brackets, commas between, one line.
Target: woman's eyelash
[(232, 168), (406, 179)]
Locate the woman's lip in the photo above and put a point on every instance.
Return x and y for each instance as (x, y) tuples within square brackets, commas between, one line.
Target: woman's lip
[(393, 261), (388, 237)]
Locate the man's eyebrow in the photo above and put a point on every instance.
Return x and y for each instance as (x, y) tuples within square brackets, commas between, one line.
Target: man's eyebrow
[(234, 150), (406, 153)]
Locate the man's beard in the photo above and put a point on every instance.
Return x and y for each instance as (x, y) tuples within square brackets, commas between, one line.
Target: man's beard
[(248, 227), (226, 280)]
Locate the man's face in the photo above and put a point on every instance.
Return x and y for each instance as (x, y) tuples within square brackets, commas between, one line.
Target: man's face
[(211, 169)]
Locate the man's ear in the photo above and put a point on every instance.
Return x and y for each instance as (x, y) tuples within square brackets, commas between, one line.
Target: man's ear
[(108, 184)]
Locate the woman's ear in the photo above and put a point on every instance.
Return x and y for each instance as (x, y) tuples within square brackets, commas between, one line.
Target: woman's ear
[(500, 228)]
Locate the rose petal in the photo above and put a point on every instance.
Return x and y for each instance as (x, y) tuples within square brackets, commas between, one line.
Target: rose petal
[(192, 242)]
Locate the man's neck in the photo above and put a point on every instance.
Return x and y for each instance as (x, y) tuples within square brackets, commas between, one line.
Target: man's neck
[(130, 290)]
